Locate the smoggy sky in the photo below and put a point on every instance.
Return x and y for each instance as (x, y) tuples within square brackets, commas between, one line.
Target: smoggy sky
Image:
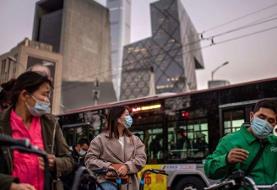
[(250, 58)]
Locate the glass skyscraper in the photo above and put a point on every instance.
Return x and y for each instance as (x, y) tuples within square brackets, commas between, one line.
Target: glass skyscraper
[(172, 53), (120, 21)]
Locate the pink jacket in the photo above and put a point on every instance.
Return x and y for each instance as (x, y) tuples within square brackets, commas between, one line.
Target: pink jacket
[(26, 166)]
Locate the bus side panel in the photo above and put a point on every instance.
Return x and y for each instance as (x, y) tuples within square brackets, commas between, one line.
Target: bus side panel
[(154, 181)]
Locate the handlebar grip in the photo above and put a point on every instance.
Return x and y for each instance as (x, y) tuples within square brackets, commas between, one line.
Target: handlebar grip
[(99, 171), (157, 171), (222, 184)]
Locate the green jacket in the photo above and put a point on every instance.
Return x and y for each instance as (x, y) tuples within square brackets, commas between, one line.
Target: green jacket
[(64, 161), (264, 172)]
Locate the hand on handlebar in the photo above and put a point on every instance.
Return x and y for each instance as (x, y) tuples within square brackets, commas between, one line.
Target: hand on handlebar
[(122, 171), (237, 155), (21, 186), (51, 161), (112, 172)]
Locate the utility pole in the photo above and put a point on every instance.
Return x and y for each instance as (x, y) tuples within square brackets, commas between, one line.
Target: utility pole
[(96, 92)]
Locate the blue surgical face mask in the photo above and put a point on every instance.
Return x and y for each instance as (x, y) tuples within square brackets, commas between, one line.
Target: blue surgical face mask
[(40, 108), (261, 128), (128, 121)]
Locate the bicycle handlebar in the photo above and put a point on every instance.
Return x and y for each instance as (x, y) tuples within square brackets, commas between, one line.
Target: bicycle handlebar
[(155, 171), (237, 178), (25, 146), (104, 171), (83, 170), (257, 187), (225, 184), (91, 175)]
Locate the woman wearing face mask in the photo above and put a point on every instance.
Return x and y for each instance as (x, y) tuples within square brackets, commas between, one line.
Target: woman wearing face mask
[(28, 117), (117, 145)]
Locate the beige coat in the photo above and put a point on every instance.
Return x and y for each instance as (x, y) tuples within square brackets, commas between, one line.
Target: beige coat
[(104, 151)]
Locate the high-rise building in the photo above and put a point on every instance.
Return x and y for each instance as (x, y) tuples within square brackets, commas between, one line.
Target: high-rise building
[(80, 31), (120, 21), (30, 54), (172, 53)]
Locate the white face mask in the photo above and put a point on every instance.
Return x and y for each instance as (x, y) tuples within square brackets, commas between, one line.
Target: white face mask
[(82, 152)]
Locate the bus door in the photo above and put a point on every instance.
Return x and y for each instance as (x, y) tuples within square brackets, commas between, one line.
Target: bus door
[(233, 115), (149, 127)]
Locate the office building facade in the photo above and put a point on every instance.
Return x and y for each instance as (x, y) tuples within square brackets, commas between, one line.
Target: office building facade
[(28, 54), (120, 22), (80, 31), (172, 53)]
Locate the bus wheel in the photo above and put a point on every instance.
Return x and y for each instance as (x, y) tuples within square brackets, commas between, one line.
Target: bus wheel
[(190, 183)]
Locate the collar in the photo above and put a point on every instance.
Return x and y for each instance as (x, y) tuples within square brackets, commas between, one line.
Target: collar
[(249, 137), (14, 115), (106, 133)]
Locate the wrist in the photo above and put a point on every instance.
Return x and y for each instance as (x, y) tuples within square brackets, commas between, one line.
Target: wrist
[(127, 168), (13, 186), (226, 158)]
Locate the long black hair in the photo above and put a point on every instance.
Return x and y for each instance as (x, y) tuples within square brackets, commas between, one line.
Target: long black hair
[(5, 93), (112, 126), (29, 81)]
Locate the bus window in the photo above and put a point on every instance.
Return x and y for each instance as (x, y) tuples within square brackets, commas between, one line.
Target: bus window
[(72, 135), (155, 145), (191, 135), (148, 125), (200, 140), (179, 143), (189, 142), (233, 119), (88, 125)]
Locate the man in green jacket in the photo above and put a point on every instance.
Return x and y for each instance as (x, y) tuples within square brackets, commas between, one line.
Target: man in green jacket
[(237, 150)]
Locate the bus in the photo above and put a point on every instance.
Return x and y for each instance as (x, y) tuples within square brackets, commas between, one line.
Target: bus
[(178, 130)]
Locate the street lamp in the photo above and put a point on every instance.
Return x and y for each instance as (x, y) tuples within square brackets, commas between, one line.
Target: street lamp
[(222, 65)]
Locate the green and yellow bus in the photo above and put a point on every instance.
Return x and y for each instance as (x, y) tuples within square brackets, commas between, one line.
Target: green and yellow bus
[(178, 130)]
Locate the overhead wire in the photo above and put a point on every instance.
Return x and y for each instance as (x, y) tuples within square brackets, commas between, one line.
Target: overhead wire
[(240, 18), (242, 27), (246, 35)]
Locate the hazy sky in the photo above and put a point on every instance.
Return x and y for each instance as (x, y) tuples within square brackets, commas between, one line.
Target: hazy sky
[(251, 58)]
